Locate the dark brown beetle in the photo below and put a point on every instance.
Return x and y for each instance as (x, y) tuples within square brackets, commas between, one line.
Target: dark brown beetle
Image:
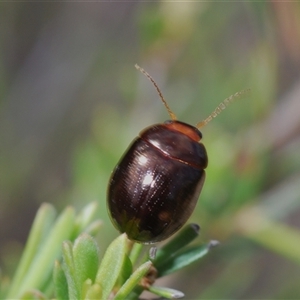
[(154, 188)]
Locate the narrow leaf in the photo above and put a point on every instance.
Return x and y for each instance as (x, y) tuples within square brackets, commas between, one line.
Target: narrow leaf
[(125, 272), (84, 218), (166, 292), (111, 265), (95, 292), (39, 231), (93, 228), (85, 255), (183, 238), (133, 280), (184, 258), (69, 269), (60, 282), (85, 287), (41, 268), (135, 252)]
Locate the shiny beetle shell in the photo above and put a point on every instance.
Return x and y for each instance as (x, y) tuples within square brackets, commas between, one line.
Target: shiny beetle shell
[(156, 184)]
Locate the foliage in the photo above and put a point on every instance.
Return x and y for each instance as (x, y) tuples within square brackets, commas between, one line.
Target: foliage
[(123, 272)]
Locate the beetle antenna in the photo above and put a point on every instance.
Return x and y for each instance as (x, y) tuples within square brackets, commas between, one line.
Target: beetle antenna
[(172, 115), (222, 106)]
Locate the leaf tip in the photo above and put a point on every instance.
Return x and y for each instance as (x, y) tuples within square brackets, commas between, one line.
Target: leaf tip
[(213, 243)]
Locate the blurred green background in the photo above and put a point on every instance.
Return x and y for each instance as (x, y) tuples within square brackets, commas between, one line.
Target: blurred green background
[(71, 101)]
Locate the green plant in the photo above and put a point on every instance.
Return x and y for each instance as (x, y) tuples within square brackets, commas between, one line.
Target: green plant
[(61, 260)]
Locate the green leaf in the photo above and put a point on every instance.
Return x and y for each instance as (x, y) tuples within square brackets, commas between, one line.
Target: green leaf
[(85, 256), (42, 264), (134, 295), (38, 233), (183, 238), (93, 228), (166, 292), (60, 282), (125, 272), (111, 265), (133, 280), (184, 258), (69, 269), (86, 287), (135, 252), (84, 218), (95, 292)]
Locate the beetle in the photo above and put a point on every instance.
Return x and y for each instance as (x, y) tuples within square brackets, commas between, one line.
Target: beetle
[(155, 186)]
